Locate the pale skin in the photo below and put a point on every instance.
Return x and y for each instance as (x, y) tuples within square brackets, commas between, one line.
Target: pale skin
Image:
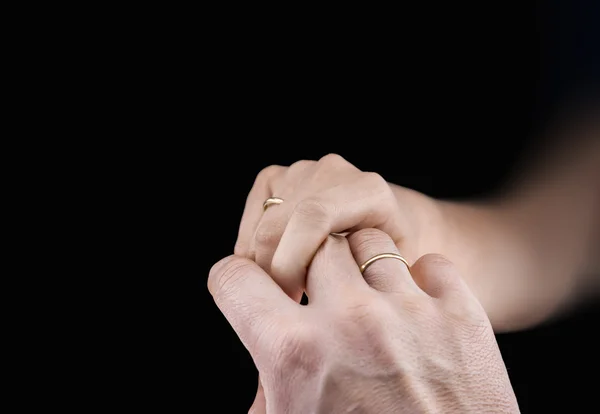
[(366, 343), (545, 232), (524, 255)]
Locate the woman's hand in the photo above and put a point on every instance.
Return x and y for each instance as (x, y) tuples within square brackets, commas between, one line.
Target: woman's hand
[(328, 196), (521, 255)]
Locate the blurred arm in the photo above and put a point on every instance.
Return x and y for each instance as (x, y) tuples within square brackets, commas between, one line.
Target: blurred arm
[(535, 250)]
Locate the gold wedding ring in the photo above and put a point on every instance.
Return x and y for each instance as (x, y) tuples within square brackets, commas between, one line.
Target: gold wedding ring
[(271, 201), (383, 256)]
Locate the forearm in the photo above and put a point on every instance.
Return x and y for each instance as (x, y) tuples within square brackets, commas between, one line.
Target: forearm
[(536, 250), (530, 252), (558, 203)]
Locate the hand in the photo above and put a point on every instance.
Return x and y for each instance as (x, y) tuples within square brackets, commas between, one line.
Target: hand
[(488, 242), (386, 341), (320, 198)]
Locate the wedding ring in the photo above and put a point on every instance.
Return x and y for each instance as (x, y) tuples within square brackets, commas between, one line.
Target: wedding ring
[(271, 201), (383, 256)]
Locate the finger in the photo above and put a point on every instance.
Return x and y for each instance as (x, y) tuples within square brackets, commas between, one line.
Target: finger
[(268, 233), (368, 203), (386, 274), (250, 301), (272, 222), (259, 406), (261, 190), (332, 272), (438, 277)]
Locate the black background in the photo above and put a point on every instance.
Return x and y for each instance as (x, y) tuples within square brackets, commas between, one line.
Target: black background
[(447, 100)]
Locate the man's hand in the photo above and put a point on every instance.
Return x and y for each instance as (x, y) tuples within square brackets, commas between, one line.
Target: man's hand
[(386, 341)]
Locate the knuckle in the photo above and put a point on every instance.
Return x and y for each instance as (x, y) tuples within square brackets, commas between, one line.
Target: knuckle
[(433, 262), (268, 173), (440, 274), (381, 191), (332, 159), (301, 165), (315, 210), (366, 241), (376, 181), (268, 234), (226, 274)]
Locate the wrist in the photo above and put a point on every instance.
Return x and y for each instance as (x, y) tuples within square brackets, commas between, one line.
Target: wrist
[(421, 219), (494, 256)]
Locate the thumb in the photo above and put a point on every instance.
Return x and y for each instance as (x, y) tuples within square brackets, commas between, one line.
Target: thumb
[(245, 294)]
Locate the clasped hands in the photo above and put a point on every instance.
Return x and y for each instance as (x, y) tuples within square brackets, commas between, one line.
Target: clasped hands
[(393, 339)]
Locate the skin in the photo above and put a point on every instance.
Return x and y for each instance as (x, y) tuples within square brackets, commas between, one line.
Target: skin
[(366, 343), (502, 246), (525, 255)]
